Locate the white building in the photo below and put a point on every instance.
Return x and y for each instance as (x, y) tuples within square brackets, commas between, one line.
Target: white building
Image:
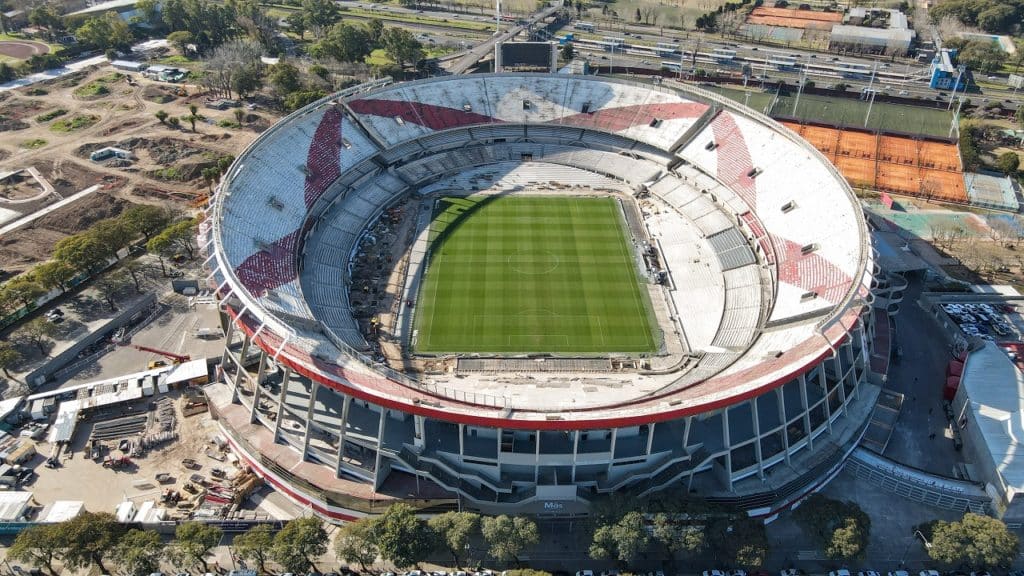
[(896, 38)]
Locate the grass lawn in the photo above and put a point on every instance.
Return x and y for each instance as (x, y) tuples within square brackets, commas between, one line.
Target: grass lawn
[(851, 112), (527, 274)]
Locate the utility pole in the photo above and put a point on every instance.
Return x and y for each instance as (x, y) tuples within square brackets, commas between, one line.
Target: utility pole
[(497, 17), (959, 74), (871, 93)]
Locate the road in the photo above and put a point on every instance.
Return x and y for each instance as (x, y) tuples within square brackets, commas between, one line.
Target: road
[(462, 64)]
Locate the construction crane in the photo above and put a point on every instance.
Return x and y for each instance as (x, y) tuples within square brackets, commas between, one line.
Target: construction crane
[(176, 358)]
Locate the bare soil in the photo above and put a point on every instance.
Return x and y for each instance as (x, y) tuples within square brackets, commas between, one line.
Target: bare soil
[(126, 120)]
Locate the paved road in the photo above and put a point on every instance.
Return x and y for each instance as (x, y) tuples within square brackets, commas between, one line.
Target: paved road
[(464, 63)]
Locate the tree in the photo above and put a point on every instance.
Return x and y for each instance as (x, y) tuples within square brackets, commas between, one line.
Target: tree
[(38, 545), (54, 274), (568, 52), (638, 17), (344, 43), (37, 332), (89, 538), (508, 537), (625, 540), (841, 529), (284, 79), (297, 23), (210, 175), (320, 15), (193, 115), (403, 538), (976, 540), (402, 47), (299, 543), (182, 236), (375, 28), (237, 56), (145, 219), (297, 100), (239, 117), (138, 552), (161, 115), (112, 234), (981, 55), (356, 542), (134, 268), (1008, 163), (181, 40), (106, 31), (454, 530), (195, 541), (109, 285), (174, 122), (245, 81), (9, 356), (740, 541), (255, 545), (678, 538), (24, 289)]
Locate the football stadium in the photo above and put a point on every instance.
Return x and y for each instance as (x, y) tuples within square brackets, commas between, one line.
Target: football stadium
[(521, 292)]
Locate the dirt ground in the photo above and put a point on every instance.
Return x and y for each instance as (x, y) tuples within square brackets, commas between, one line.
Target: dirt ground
[(22, 49), (78, 476), (167, 169)]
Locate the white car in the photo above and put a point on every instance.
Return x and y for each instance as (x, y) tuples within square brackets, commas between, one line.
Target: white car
[(868, 573), (713, 573), (929, 573), (898, 573), (585, 573), (842, 572)]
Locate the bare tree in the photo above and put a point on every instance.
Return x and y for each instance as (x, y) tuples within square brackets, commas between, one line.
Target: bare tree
[(229, 60)]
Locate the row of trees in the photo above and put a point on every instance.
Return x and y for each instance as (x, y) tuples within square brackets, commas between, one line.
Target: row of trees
[(625, 529), (98, 539), (399, 537), (997, 16)]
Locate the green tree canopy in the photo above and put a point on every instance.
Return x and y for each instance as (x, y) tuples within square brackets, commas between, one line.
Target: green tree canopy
[(357, 542), (841, 529), (24, 289), (508, 537), (83, 251), (255, 545), (38, 545), (320, 15), (180, 40), (145, 219), (345, 43), (9, 357), (981, 55), (401, 46), (54, 274), (454, 531), (89, 538), (976, 541), (1008, 162), (284, 79), (624, 541), (106, 31), (403, 538), (138, 552), (196, 540), (299, 544), (678, 537)]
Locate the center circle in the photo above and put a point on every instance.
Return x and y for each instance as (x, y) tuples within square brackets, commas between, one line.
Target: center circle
[(533, 263)]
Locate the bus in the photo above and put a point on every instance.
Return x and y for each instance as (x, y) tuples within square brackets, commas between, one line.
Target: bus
[(723, 54), (673, 66), (585, 26), (614, 41), (666, 49), (853, 70), (782, 61)]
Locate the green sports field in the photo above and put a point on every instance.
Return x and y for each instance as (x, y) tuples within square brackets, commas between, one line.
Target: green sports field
[(531, 274)]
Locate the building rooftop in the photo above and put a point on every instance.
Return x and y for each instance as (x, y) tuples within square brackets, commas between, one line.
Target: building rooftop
[(13, 504), (995, 389)]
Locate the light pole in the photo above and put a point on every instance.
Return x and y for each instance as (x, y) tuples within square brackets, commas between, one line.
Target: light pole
[(959, 74), (871, 93)]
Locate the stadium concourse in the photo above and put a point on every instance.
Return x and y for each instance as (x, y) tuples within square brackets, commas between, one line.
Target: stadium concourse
[(748, 244)]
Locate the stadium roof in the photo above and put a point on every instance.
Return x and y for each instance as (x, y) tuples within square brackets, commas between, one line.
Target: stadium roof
[(737, 166)]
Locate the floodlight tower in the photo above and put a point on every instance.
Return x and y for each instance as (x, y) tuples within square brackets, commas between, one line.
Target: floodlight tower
[(497, 17)]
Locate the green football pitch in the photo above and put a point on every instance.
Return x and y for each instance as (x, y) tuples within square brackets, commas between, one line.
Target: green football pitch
[(531, 274)]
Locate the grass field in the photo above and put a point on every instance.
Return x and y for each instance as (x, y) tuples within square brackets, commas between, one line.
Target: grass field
[(527, 274), (851, 112)]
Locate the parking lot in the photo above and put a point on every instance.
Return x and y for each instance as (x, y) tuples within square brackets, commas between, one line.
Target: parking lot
[(1000, 322)]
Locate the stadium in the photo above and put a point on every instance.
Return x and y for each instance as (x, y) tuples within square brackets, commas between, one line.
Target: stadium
[(518, 292)]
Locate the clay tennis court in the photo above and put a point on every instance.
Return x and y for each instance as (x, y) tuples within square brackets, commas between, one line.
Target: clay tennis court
[(890, 163), (857, 144), (899, 150), (793, 18), (22, 49)]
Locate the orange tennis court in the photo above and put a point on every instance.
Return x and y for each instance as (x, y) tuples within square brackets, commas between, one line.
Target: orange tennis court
[(793, 18), (890, 163)]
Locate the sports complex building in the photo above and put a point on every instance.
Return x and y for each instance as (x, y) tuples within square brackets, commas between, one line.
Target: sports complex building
[(518, 292)]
